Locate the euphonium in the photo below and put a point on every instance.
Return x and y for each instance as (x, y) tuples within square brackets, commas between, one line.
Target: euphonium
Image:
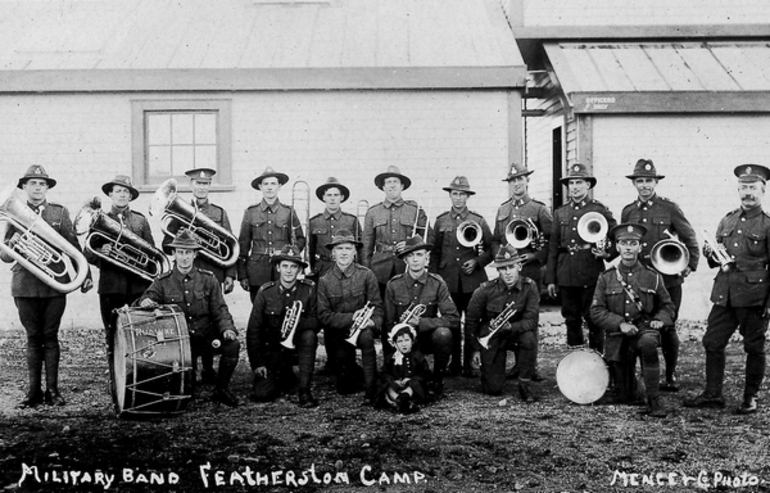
[(669, 256), (411, 312), (469, 234), (521, 233), (37, 247), (290, 323), (497, 323), (592, 228), (718, 252), (359, 323), (218, 245), (129, 251)]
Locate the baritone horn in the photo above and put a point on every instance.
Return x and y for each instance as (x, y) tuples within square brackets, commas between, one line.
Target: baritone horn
[(592, 228), (128, 251), (290, 323), (359, 323), (669, 256), (218, 244), (36, 246), (469, 234), (718, 252), (497, 323), (521, 233)]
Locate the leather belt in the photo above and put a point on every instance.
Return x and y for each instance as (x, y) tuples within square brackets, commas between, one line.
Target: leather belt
[(265, 251), (575, 248), (384, 248)]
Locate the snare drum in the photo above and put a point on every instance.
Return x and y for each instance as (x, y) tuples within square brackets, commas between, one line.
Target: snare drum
[(152, 367), (582, 376)]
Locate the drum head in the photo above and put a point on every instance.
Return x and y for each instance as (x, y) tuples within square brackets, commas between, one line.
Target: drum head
[(582, 376)]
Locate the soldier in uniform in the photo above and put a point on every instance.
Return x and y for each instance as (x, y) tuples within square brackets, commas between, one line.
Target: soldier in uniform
[(117, 286), (518, 333), (40, 306), (343, 293), (632, 306), (199, 295), (200, 183), (740, 293), (573, 264), (461, 267), (266, 228), (415, 287), (270, 356), (662, 217)]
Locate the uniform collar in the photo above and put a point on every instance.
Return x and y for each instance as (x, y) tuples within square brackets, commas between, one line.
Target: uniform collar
[(751, 213), (344, 273), (265, 206), (580, 204), (179, 277), (648, 203), (516, 286), (398, 203), (461, 213), (114, 211), (519, 202), (282, 289), (422, 279), (626, 269), (194, 202), (38, 208), (335, 215)]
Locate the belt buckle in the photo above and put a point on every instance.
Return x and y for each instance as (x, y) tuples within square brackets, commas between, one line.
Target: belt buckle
[(270, 251)]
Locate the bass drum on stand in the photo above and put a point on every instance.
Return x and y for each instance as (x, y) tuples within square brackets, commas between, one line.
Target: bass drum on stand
[(582, 376)]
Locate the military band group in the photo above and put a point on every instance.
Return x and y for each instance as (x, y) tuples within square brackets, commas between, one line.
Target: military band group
[(418, 288)]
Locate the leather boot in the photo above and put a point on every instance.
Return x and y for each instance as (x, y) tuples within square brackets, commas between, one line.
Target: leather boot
[(34, 395), (525, 392), (655, 408), (52, 395), (306, 399)]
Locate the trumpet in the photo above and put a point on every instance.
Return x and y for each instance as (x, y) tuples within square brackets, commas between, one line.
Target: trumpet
[(416, 226), (718, 252), (669, 256), (290, 323), (37, 247), (412, 311), (219, 245), (359, 323), (592, 228), (128, 251), (469, 234), (521, 233), (497, 323)]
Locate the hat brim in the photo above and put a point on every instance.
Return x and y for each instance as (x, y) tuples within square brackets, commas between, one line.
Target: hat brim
[(657, 177), (379, 180), (51, 182), (414, 248), (185, 246), (107, 188), (278, 258), (590, 179), (209, 174), (357, 244), (320, 191), (256, 183), (453, 189), (516, 175), (507, 262)]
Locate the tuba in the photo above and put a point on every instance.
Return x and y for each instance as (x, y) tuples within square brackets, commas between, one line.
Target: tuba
[(669, 256), (218, 245), (592, 228), (129, 251), (37, 247), (718, 252), (497, 323), (469, 235), (359, 322), (520, 233), (290, 323)]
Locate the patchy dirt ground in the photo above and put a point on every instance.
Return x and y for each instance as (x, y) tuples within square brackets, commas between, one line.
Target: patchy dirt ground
[(465, 442)]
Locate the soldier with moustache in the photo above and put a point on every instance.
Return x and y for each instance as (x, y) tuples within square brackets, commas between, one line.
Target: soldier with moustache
[(663, 219), (266, 228), (40, 306), (740, 295), (461, 267), (574, 265)]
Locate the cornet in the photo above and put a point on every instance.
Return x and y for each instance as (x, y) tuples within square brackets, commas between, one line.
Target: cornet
[(469, 234), (411, 312), (718, 252), (497, 323), (359, 323), (290, 323), (521, 233), (592, 228), (669, 256), (129, 251), (37, 247)]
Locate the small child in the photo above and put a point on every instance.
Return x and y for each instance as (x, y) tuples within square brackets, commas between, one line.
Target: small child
[(405, 373)]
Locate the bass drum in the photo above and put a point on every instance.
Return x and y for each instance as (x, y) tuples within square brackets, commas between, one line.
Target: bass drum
[(152, 364), (582, 376)]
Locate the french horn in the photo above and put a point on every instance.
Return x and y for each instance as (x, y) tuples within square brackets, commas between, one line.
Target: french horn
[(669, 256)]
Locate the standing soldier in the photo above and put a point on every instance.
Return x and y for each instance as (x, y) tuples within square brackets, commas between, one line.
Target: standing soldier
[(461, 265), (283, 318), (663, 219), (266, 228), (573, 264), (740, 293), (40, 306)]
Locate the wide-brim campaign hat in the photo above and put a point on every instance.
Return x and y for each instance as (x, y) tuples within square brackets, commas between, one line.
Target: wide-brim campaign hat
[(414, 243), (578, 171), (460, 184), (256, 183), (516, 171), (392, 172), (38, 172), (628, 231), (185, 239), (290, 253), (645, 168), (332, 182), (506, 255), (752, 172), (201, 174), (342, 237), (401, 328), (123, 181)]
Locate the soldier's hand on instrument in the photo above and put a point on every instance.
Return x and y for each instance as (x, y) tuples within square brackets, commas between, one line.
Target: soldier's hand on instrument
[(261, 371), (539, 242), (628, 329), (106, 249), (245, 284), (707, 250), (552, 290), (400, 246), (148, 304), (228, 285), (476, 359), (469, 266), (414, 322), (656, 324), (230, 335), (525, 258), (506, 328), (599, 253), (87, 285), (686, 272)]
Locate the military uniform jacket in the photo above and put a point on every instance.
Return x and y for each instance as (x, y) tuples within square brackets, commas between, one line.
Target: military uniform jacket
[(659, 215), (199, 295), (746, 237), (322, 227), (491, 298), (341, 294), (429, 290), (448, 256), (570, 261), (386, 224), (219, 216), (24, 284), (525, 208), (611, 305), (265, 229), (263, 335), (113, 279)]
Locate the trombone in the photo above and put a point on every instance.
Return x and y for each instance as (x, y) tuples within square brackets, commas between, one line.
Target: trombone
[(416, 226), (361, 209), (497, 323), (300, 202)]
